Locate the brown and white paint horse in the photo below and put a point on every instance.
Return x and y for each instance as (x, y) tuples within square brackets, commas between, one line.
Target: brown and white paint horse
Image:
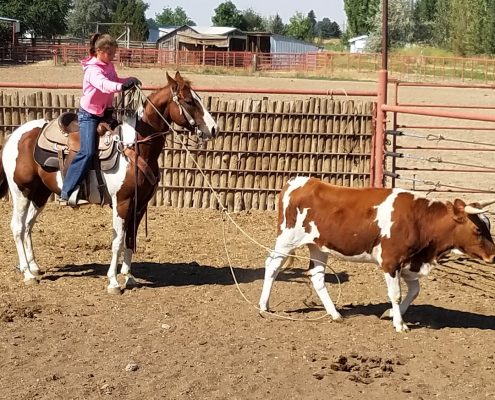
[(30, 186)]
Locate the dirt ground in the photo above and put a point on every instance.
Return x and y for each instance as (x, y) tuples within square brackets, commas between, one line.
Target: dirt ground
[(189, 332)]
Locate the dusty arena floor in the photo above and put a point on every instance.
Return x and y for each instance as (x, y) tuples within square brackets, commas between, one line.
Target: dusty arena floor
[(188, 332)]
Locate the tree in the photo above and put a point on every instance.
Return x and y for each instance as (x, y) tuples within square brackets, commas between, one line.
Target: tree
[(400, 25), (252, 21), (424, 16), (276, 25), (152, 23), (131, 11), (312, 22), (175, 17), (464, 27), (227, 14), (327, 29), (41, 18), (299, 27), (441, 26), (84, 14), (360, 14)]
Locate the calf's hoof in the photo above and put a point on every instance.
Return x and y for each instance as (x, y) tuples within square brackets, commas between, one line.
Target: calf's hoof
[(402, 328), (114, 290), (131, 283), (337, 318), (263, 312)]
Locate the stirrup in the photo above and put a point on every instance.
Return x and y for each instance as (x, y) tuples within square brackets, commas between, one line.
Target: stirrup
[(74, 201)]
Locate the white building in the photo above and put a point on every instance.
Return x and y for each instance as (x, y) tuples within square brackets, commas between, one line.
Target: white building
[(358, 43)]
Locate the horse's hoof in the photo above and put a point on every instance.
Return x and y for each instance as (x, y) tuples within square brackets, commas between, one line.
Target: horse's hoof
[(114, 290), (31, 281)]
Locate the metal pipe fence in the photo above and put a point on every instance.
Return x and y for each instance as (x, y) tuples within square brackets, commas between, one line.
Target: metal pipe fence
[(448, 160)]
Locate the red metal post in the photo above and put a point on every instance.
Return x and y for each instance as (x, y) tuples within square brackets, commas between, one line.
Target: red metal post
[(381, 115)]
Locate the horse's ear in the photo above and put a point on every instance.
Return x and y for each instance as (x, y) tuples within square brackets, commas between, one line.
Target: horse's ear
[(170, 80), (179, 79)]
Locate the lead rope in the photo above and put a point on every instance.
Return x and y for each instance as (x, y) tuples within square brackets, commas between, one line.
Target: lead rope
[(225, 212)]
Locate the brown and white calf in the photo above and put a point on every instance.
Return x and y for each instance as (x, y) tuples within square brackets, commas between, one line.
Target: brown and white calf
[(393, 228)]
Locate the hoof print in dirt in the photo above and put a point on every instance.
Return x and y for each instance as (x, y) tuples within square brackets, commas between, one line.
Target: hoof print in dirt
[(365, 369)]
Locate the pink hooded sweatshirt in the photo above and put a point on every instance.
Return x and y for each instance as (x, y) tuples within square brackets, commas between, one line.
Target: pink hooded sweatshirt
[(99, 84)]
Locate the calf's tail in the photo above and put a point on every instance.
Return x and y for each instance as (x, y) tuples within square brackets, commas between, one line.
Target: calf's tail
[(4, 188)]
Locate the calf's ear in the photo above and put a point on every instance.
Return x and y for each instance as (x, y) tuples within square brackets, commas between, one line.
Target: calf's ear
[(457, 209)]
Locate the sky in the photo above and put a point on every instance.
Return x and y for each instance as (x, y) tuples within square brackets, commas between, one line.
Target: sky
[(201, 11)]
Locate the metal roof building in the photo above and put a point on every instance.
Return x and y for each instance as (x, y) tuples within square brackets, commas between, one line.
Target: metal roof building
[(197, 38)]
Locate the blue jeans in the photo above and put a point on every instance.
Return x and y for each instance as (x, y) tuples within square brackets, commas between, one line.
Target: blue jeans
[(82, 161)]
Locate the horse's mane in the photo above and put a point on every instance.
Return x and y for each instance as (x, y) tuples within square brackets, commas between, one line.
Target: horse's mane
[(136, 101)]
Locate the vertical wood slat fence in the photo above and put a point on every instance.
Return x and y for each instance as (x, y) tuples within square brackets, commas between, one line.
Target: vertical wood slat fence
[(262, 143)]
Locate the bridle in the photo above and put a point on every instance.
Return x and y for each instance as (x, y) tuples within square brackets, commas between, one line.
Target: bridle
[(183, 110)]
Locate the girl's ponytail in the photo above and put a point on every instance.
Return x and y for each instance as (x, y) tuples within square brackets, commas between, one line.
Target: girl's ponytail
[(92, 41)]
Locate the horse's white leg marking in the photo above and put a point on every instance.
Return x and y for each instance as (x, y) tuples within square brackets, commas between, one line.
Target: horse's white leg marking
[(32, 214), (21, 214), (130, 281), (394, 294), (117, 242), (21, 206), (317, 273)]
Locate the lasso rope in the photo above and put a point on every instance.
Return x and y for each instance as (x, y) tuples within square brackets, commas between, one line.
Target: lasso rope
[(224, 212)]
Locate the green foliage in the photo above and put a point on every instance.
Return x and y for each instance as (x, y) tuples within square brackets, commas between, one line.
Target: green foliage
[(131, 11), (177, 17), (152, 23), (424, 14), (312, 20), (465, 27), (299, 27), (326, 29), (253, 21), (333, 45), (360, 15), (400, 26), (227, 14), (276, 25), (84, 14), (42, 18)]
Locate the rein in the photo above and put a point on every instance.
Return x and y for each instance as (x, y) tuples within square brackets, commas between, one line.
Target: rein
[(139, 162)]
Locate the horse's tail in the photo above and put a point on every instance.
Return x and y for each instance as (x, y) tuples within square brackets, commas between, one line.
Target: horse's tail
[(4, 188)]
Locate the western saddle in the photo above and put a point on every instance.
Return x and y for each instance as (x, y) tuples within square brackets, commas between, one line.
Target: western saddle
[(59, 141)]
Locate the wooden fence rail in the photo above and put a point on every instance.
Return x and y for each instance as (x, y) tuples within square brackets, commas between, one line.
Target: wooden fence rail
[(262, 143)]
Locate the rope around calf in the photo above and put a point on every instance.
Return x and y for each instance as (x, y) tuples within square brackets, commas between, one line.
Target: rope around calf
[(224, 212)]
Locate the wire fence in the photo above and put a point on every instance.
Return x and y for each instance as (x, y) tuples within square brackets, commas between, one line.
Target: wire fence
[(328, 64)]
